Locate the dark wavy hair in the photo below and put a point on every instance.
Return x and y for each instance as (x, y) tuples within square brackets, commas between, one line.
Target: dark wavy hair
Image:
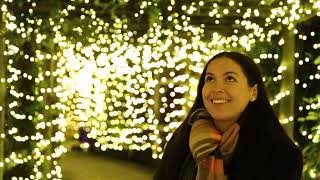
[(258, 117)]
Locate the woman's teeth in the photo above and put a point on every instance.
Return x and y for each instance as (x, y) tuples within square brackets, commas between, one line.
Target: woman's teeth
[(219, 101)]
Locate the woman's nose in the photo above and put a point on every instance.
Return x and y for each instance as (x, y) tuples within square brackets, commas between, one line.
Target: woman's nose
[(218, 91), (217, 86)]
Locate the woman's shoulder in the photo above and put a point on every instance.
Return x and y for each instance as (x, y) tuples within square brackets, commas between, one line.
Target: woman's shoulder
[(287, 153), (285, 150), (285, 160), (264, 156)]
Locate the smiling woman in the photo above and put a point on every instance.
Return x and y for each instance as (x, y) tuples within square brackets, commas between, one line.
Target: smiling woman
[(226, 92), (231, 131)]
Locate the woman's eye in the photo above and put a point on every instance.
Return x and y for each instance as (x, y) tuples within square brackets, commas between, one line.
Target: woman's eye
[(230, 79), (209, 78)]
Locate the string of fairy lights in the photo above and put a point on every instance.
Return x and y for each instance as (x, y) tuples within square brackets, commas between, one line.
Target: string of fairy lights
[(131, 93), (222, 41), (38, 156)]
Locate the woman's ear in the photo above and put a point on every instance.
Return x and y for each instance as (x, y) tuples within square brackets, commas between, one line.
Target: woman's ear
[(254, 93)]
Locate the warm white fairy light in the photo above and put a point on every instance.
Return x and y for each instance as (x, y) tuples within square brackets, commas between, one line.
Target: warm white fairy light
[(134, 89), (101, 81), (308, 108), (39, 139)]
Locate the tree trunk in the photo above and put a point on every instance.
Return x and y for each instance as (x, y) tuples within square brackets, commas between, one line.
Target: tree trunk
[(286, 110), (2, 94)]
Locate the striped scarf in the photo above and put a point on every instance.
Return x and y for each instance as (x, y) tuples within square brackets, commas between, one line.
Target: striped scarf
[(210, 148)]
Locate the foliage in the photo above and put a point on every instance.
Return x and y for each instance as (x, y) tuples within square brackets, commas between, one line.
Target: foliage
[(307, 97)]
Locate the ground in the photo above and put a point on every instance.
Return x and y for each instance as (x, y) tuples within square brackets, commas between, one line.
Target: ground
[(78, 165)]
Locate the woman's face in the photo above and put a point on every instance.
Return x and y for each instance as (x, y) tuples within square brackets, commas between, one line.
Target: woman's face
[(226, 92)]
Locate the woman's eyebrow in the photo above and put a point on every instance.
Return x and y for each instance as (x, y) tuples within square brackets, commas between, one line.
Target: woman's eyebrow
[(209, 73), (231, 72), (226, 73)]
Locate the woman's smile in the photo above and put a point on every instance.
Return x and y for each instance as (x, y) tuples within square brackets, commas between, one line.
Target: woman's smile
[(219, 101)]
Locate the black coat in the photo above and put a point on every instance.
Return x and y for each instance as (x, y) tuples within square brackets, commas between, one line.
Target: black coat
[(257, 157)]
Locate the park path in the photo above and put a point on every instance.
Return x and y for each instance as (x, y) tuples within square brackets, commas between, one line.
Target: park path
[(78, 165)]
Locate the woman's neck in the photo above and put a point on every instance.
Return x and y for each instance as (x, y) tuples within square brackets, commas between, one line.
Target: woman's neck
[(223, 125)]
